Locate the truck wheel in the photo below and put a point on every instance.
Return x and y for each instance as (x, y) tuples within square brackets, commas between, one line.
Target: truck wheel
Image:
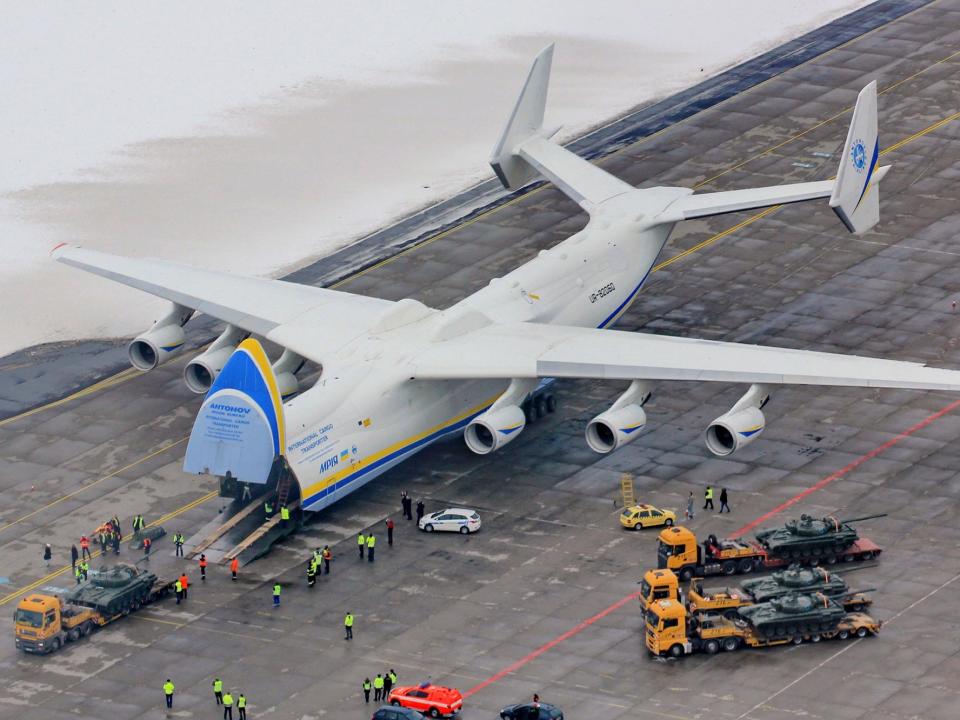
[(55, 645), (73, 635), (867, 556), (797, 639), (86, 628), (551, 404), (711, 647), (540, 408), (730, 644), (843, 634), (528, 412), (676, 651), (815, 637), (729, 567), (848, 558), (686, 574), (862, 632), (746, 567)]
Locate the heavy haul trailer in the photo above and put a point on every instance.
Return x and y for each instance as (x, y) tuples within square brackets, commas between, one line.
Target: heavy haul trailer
[(44, 623), (678, 550), (663, 585), (671, 630)]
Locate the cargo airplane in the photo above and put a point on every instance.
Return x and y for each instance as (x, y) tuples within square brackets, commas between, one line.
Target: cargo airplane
[(396, 376)]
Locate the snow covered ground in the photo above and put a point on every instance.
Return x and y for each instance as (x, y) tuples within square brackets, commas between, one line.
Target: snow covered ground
[(253, 137)]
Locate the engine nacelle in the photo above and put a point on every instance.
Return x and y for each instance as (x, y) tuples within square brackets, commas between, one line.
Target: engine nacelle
[(740, 426), (285, 371), (200, 372), (614, 428), (494, 429), (163, 341)]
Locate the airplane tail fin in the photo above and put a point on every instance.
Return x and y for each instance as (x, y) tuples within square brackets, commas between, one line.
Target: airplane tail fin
[(856, 193), (525, 149), (526, 122)]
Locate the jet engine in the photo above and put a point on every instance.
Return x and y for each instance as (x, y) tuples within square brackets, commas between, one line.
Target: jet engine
[(200, 372), (494, 429), (162, 341), (741, 425), (285, 371), (622, 422)]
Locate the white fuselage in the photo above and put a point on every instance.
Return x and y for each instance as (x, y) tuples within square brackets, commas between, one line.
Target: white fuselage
[(365, 414)]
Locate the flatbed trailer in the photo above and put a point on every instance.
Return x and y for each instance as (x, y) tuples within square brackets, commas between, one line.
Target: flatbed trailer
[(45, 623), (670, 630), (678, 550)]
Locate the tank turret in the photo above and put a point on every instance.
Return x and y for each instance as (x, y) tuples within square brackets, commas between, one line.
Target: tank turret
[(113, 590), (811, 537), (795, 579), (794, 614)]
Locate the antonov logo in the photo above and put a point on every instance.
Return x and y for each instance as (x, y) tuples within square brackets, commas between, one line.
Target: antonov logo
[(858, 155), (330, 462), (229, 408)]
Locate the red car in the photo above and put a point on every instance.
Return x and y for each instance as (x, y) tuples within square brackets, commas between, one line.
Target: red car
[(434, 700)]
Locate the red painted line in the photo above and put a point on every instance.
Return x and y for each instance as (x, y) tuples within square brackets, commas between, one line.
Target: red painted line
[(553, 643), (513, 667), (846, 469)]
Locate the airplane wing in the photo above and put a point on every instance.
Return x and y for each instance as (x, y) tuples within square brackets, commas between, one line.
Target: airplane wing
[(288, 313), (532, 350)]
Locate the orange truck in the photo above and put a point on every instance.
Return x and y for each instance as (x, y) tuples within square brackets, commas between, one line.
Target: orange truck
[(678, 550), (671, 630), (664, 585)]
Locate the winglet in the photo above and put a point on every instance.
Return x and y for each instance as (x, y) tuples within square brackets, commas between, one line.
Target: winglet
[(856, 193), (526, 121)]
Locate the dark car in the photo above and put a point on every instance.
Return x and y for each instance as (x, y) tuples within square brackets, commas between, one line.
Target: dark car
[(531, 711), (396, 713)]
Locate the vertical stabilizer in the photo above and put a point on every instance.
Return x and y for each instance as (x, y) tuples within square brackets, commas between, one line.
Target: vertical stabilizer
[(240, 426), (856, 192), (526, 121)]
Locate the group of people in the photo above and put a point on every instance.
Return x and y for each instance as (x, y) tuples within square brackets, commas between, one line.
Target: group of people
[(407, 504), (381, 685), (707, 501), (223, 698), (319, 560)]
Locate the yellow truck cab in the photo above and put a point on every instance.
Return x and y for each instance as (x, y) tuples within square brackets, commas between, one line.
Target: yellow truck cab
[(658, 585), (678, 550), (42, 624), (671, 631), (663, 585)]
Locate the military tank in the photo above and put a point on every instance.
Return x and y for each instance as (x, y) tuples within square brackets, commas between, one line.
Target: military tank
[(118, 589), (794, 614), (795, 579), (810, 537)]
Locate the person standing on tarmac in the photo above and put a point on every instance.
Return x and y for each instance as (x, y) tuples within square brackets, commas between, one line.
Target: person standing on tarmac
[(178, 541), (234, 566), (218, 690), (390, 532), (178, 586), (378, 688), (387, 685), (284, 515), (203, 568), (84, 547), (47, 554), (74, 556), (393, 678), (361, 543), (242, 706), (168, 689), (227, 706), (723, 500), (708, 498), (276, 594), (366, 690), (371, 545), (186, 583), (327, 557), (348, 626), (146, 547), (420, 509), (311, 572), (690, 506)]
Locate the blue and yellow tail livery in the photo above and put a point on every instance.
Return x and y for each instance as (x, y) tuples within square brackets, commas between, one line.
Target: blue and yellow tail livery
[(240, 426)]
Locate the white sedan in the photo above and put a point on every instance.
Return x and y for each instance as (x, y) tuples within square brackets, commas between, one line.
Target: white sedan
[(452, 519)]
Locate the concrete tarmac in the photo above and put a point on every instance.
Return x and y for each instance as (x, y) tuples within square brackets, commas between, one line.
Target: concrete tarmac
[(541, 599)]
